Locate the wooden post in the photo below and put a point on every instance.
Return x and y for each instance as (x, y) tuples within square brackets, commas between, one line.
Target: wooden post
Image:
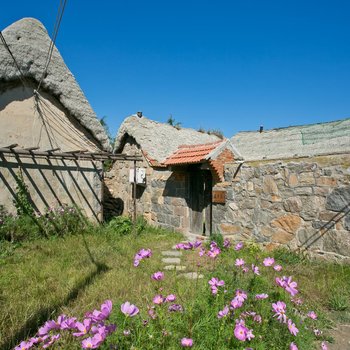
[(134, 190)]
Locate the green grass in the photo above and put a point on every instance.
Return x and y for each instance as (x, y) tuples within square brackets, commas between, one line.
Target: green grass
[(75, 274)]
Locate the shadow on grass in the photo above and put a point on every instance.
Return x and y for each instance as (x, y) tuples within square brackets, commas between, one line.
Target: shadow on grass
[(30, 327)]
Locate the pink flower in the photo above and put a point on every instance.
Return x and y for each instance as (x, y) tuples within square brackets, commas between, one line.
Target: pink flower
[(261, 296), (23, 346), (277, 267), (255, 269), (241, 295), (170, 298), (287, 283), (239, 246), (239, 262), (214, 284), (158, 276), (129, 309), (83, 328), (292, 328), (214, 252), (140, 255), (240, 332), (268, 261), (236, 303), (222, 313), (227, 243), (312, 315), (186, 342), (280, 311), (292, 346), (250, 334), (158, 299), (324, 346)]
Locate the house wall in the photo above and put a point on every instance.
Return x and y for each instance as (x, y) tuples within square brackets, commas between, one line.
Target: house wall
[(164, 199), (301, 203), (46, 125)]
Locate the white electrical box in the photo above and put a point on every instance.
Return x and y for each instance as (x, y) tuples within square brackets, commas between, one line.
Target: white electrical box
[(140, 176)]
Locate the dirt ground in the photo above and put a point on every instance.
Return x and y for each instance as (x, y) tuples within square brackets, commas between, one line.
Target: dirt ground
[(341, 335)]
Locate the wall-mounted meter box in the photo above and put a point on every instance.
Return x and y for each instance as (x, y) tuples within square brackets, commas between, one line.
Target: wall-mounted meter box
[(140, 176)]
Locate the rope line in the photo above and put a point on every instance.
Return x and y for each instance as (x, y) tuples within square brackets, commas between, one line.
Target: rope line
[(59, 16)]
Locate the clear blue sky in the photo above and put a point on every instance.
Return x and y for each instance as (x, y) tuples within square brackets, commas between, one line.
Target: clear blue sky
[(229, 65)]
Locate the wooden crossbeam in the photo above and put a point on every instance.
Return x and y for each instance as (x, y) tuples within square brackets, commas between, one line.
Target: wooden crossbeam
[(31, 148), (12, 146), (53, 150)]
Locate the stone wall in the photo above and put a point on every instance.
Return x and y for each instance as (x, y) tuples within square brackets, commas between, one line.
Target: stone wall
[(162, 202), (301, 203)]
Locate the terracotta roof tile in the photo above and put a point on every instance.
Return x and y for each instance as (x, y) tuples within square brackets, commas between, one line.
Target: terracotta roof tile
[(190, 154)]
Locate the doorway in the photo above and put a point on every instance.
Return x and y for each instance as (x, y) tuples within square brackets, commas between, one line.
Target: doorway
[(201, 183)]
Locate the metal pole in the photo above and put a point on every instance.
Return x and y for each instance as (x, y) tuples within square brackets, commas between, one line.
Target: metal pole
[(134, 191)]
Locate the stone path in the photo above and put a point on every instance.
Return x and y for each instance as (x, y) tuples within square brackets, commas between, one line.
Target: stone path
[(172, 260)]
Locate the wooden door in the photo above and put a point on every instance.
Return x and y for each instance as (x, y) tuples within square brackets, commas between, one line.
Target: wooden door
[(200, 203)]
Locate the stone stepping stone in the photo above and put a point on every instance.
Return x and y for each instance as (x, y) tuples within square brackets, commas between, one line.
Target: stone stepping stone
[(171, 253), (175, 267), (171, 261), (191, 275)]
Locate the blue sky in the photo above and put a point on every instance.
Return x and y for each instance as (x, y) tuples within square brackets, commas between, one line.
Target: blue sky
[(228, 65)]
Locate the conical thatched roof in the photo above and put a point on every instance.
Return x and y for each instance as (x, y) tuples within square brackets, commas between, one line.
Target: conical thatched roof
[(29, 42), (158, 140), (295, 141)]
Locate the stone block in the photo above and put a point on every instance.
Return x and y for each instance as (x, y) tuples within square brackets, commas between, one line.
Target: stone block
[(347, 222), (269, 185), (303, 191), (311, 206), (282, 236), (248, 203), (337, 242), (306, 178), (309, 238), (288, 223), (250, 186), (339, 199), (293, 204), (326, 181), (175, 267), (171, 261), (327, 216), (267, 231), (172, 253), (233, 206), (323, 225), (175, 221), (230, 229), (293, 180), (179, 211), (321, 191)]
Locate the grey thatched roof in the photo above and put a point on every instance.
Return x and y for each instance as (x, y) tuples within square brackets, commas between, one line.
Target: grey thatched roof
[(29, 42), (295, 141), (159, 140)]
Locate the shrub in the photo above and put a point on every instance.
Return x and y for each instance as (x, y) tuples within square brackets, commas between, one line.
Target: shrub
[(121, 225)]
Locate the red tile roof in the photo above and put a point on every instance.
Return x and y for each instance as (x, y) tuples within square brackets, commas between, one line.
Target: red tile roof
[(187, 154)]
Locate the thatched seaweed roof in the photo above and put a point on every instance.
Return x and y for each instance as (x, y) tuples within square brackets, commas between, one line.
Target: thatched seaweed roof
[(295, 141), (158, 140), (29, 42)]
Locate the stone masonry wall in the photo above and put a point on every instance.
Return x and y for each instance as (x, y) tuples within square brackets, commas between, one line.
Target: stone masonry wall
[(162, 202), (301, 203)]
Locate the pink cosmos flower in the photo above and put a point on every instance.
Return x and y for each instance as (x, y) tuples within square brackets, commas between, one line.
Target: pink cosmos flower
[(140, 255), (175, 308), (292, 328), (261, 296), (250, 334), (222, 313), (317, 332), (214, 284), (292, 346), (239, 262), (129, 309), (214, 252), (280, 311), (240, 332), (324, 346), (170, 298), (288, 284), (268, 261), (158, 299), (158, 276), (83, 328), (239, 246), (277, 267), (236, 303), (105, 311), (257, 318), (241, 295), (23, 346), (186, 342), (245, 269), (297, 301), (227, 243), (255, 269), (89, 343), (312, 315)]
